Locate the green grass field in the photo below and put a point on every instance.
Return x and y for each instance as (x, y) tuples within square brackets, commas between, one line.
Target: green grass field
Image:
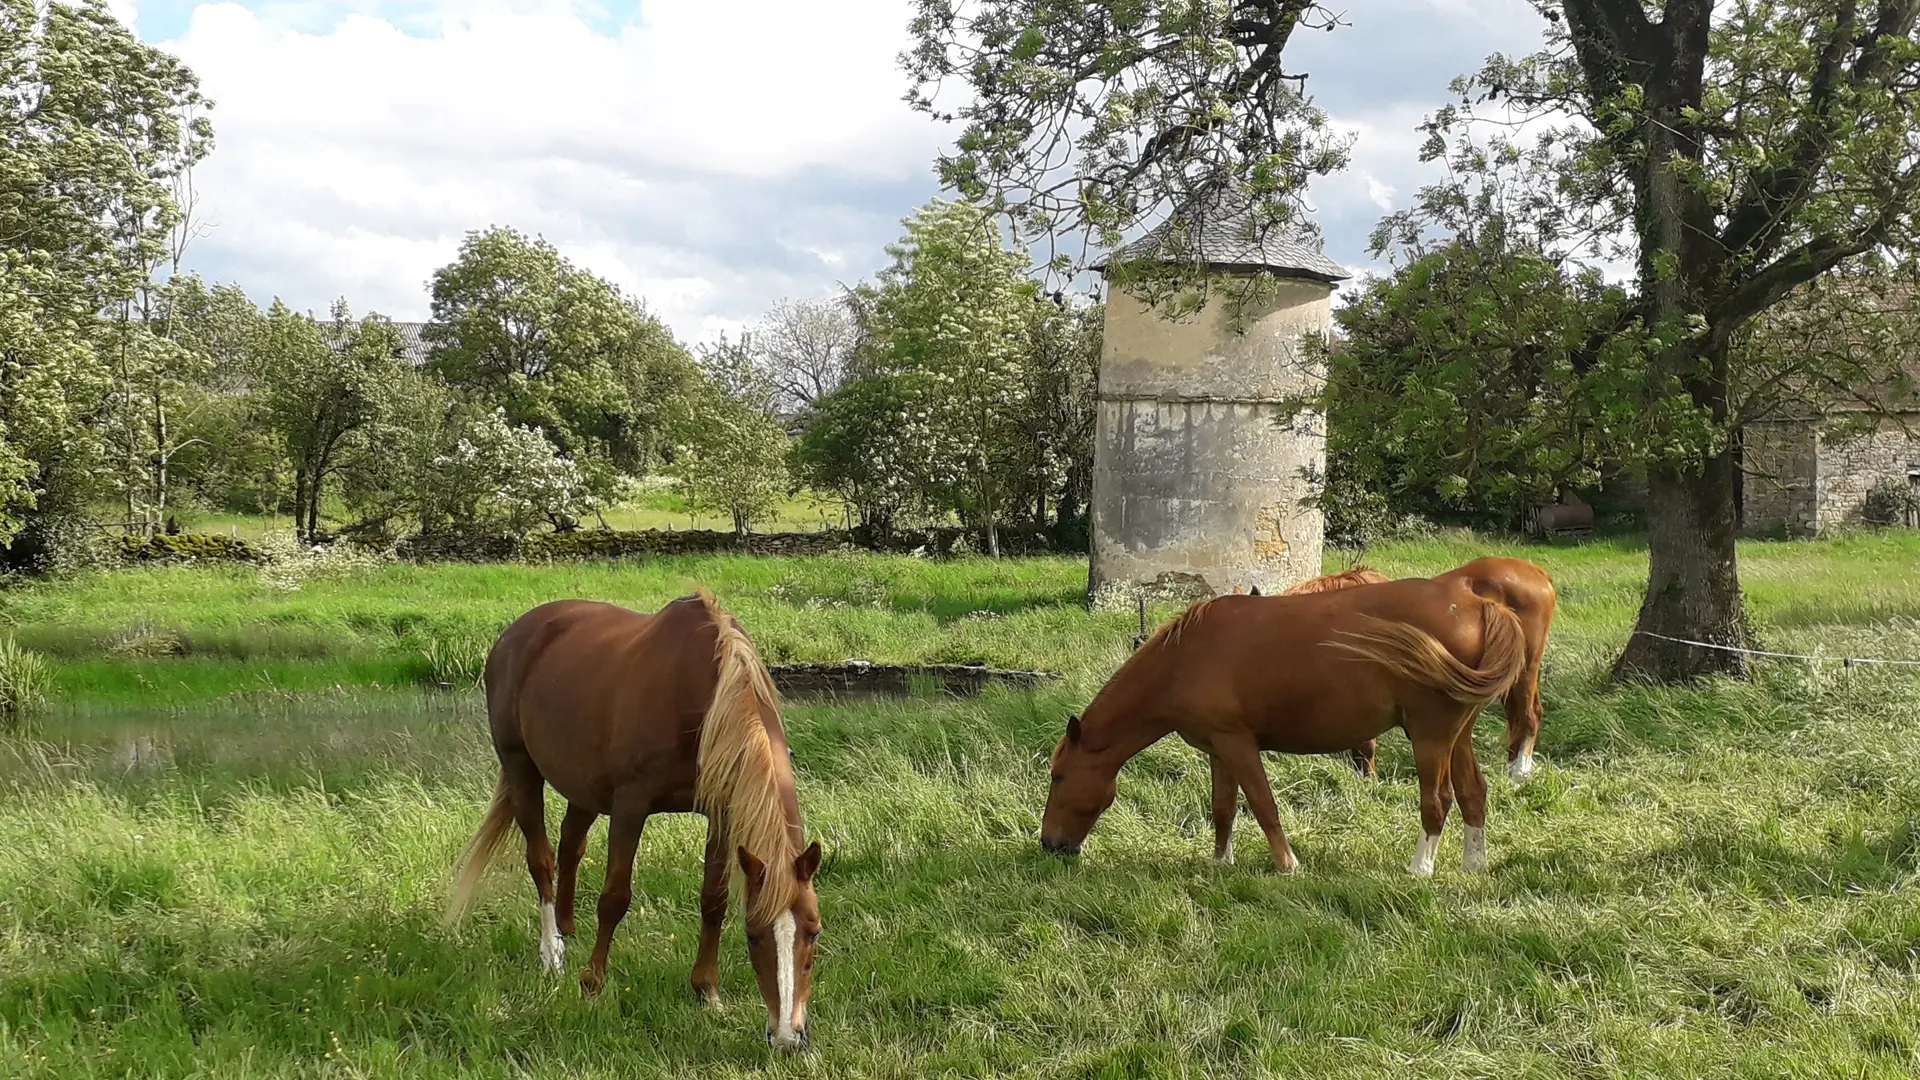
[(226, 849)]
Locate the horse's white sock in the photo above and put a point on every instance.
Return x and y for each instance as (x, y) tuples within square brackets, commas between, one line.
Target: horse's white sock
[(553, 948), (1474, 860), (1423, 853)]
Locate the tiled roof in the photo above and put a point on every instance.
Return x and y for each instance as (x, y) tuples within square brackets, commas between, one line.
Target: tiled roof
[(415, 349), (1231, 240)]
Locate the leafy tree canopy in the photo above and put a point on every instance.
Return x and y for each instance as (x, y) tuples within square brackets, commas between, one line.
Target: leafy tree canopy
[(517, 326), (1081, 121), (1732, 154)]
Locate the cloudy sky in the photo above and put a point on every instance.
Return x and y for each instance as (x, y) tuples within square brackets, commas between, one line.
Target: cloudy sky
[(711, 156)]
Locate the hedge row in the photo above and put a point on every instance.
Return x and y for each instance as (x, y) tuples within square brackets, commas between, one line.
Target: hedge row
[(187, 547), (599, 544), (657, 543)]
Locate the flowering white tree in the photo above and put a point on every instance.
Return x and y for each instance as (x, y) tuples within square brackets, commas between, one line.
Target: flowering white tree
[(499, 477), (949, 322)]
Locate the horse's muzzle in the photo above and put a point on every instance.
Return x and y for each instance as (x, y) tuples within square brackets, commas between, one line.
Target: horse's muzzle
[(1058, 847), (800, 1040)]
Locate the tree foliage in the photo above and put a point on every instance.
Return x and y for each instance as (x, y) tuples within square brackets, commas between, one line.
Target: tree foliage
[(518, 327), (803, 349), (1462, 386), (1081, 121), (949, 323), (94, 128), (1060, 410), (856, 446), (1733, 154), (321, 387), (969, 394), (729, 455)]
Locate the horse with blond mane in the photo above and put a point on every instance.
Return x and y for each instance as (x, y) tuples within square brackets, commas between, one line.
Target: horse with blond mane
[(1527, 591), (1308, 674), (629, 715)]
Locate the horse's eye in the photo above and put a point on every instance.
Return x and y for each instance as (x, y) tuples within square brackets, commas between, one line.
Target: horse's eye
[(1057, 778), (753, 940)]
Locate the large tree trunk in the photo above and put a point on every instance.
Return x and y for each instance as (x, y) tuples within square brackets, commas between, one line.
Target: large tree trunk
[(1693, 581)]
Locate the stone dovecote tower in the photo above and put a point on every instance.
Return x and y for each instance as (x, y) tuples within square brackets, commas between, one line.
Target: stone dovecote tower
[(1196, 490)]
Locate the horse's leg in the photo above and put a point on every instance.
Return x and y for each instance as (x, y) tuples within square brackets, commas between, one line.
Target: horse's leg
[(1363, 757), (713, 918), (1471, 785), (1432, 749), (573, 846), (1242, 756), (623, 840), (1226, 802), (1523, 715), (529, 791)]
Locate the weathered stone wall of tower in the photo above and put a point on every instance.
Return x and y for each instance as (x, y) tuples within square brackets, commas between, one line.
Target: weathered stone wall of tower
[(1196, 489)]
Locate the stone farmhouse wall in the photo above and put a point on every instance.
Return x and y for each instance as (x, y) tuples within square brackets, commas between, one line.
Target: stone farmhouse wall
[(1802, 484)]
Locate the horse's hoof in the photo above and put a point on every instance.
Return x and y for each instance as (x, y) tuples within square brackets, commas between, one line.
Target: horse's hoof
[(591, 984), (707, 996), (1291, 866)]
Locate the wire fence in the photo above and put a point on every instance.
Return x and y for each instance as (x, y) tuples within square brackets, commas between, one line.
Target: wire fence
[(1846, 661)]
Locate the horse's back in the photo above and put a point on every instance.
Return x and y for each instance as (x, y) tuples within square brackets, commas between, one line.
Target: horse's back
[(1521, 585), (1264, 661), (594, 692)]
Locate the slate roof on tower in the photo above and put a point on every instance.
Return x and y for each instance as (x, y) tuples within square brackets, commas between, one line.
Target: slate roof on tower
[(1227, 239)]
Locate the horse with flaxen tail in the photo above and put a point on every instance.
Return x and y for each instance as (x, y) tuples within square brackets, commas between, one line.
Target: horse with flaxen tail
[(630, 714), (1527, 591), (1308, 674)]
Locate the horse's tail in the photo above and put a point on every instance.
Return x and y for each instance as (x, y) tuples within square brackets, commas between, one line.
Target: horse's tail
[(1418, 656), (480, 851)]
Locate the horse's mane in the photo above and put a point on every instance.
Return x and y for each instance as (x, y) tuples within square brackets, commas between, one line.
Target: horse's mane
[(1345, 579), (1168, 633), (741, 778)]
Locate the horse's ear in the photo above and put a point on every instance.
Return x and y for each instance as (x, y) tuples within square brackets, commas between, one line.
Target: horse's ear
[(1255, 591), (808, 863), (1073, 729), (755, 870)]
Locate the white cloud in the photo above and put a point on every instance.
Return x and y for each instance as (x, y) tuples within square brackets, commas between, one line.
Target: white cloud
[(709, 157), (352, 157)]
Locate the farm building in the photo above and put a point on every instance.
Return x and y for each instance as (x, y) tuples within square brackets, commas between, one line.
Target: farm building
[(1805, 473), (415, 347), (1797, 480)]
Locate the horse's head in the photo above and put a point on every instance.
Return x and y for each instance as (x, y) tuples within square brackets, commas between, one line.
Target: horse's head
[(780, 944), (1080, 790)]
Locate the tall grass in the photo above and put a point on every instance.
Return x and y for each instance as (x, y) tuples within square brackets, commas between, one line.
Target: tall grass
[(23, 684), (1718, 880)]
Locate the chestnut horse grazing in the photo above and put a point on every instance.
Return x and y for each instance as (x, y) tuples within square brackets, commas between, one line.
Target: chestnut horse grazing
[(1310, 674), (1527, 591), (629, 715)]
